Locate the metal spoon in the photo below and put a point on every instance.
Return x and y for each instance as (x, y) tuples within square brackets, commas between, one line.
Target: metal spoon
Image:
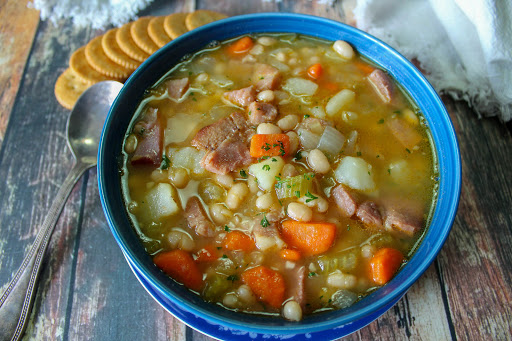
[(83, 132)]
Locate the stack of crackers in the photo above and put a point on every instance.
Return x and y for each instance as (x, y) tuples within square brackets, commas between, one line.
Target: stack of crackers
[(117, 53)]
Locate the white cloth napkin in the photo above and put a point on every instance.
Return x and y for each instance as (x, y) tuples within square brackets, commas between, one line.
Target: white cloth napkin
[(465, 46), (90, 13)]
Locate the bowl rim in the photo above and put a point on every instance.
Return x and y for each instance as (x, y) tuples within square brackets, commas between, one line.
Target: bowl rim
[(404, 72)]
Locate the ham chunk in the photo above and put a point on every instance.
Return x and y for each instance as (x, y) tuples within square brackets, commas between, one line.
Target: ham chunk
[(229, 156), (211, 136), (242, 97), (266, 77), (399, 222), (296, 285), (261, 112), (149, 145), (197, 218), (345, 200), (382, 85), (404, 132), (177, 87), (369, 214)]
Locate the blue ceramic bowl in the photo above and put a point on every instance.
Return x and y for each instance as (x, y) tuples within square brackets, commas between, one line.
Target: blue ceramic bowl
[(213, 319)]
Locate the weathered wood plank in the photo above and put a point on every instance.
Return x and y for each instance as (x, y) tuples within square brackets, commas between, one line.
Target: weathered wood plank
[(475, 262), (18, 25)]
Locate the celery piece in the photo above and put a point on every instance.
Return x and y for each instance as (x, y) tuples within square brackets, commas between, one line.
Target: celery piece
[(344, 261), (215, 287), (295, 186)]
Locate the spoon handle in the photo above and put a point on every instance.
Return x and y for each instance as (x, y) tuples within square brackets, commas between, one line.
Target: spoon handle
[(17, 300)]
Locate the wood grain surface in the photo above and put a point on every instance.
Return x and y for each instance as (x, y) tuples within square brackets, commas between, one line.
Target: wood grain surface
[(88, 292)]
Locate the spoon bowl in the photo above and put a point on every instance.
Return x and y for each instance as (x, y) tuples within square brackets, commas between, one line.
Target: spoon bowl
[(83, 134)]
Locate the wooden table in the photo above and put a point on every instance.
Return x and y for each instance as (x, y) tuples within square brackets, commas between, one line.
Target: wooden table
[(87, 291)]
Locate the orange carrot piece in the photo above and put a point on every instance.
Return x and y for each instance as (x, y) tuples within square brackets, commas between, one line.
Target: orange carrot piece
[(289, 254), (268, 285), (315, 71), (309, 238), (238, 241), (207, 254), (332, 87), (181, 266), (240, 46), (270, 145), (384, 264), (363, 67)]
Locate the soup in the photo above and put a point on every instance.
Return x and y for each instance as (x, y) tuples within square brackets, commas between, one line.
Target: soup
[(279, 174)]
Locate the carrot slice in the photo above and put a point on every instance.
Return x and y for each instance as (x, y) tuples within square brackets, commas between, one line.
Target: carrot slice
[(289, 254), (238, 241), (309, 238), (270, 145), (315, 71), (363, 67), (180, 266), (384, 264), (241, 46), (207, 254), (268, 285)]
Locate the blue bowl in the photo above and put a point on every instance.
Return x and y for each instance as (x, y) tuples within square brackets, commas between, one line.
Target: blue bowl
[(213, 319)]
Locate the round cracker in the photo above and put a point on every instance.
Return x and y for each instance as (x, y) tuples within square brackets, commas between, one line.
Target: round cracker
[(139, 32), (68, 88), (81, 67), (114, 52), (126, 43), (100, 62), (202, 17), (174, 24), (157, 32)]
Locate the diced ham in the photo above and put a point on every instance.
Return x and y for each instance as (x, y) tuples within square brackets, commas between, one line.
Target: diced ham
[(177, 87), (399, 222), (229, 156), (197, 218), (369, 214), (382, 85), (266, 237), (149, 145), (211, 136), (296, 285), (242, 97), (261, 112), (404, 132), (345, 200), (266, 77)]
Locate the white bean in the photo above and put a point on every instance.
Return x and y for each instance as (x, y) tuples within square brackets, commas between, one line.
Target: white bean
[(299, 212), (266, 96), (340, 280), (268, 128), (236, 195), (288, 122), (281, 56), (314, 60), (130, 144), (245, 294), (220, 214), (338, 101), (202, 78), (181, 240), (179, 177), (343, 49), (264, 202), (266, 41), (367, 251), (289, 171), (253, 184), (230, 300), (318, 161), (294, 142), (292, 311), (293, 61), (224, 180), (257, 50), (159, 175)]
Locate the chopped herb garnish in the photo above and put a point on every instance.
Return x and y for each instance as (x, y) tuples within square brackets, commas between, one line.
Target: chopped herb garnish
[(380, 121), (266, 167), (264, 222), (358, 153), (369, 173), (219, 247), (166, 163), (224, 256), (194, 99), (408, 150), (262, 77), (389, 171), (249, 113), (232, 278), (310, 196), (378, 156), (306, 116), (298, 156), (266, 146), (311, 274), (243, 173), (274, 159), (348, 227), (226, 228), (297, 194)]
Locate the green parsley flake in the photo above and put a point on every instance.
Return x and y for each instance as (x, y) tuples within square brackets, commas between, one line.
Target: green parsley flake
[(232, 278), (312, 274), (266, 167), (226, 228), (310, 196), (380, 121), (243, 173), (166, 163), (264, 222)]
